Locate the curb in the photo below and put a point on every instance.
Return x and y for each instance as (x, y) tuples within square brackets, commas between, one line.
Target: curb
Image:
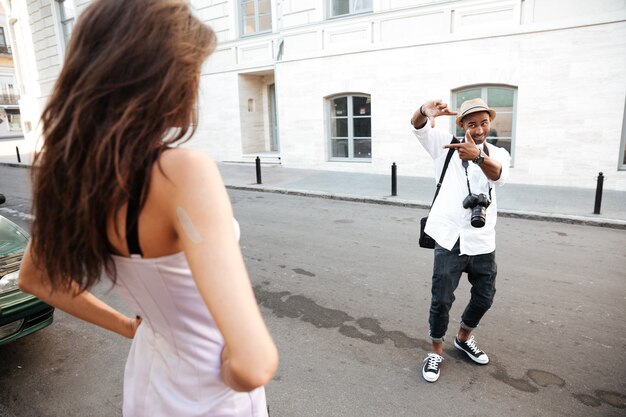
[(14, 165), (552, 217), (394, 201)]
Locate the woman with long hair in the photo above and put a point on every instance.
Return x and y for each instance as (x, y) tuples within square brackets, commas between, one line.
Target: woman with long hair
[(114, 197)]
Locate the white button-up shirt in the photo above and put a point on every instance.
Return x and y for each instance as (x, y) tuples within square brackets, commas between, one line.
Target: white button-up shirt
[(448, 220)]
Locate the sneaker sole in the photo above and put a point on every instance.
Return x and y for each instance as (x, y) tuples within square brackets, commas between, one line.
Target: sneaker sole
[(477, 360)]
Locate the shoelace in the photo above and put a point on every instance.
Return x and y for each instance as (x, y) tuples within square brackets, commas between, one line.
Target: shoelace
[(472, 345), (433, 361)]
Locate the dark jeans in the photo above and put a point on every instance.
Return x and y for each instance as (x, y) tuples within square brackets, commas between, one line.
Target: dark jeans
[(448, 267)]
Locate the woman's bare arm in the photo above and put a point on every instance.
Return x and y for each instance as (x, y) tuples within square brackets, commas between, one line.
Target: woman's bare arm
[(200, 210), (82, 305)]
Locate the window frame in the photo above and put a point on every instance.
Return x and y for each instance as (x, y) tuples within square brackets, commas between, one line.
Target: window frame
[(329, 8), (62, 22), (350, 117), (257, 15), (621, 161), (483, 94)]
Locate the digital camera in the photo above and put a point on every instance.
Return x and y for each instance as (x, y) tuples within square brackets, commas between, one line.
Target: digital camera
[(478, 203)]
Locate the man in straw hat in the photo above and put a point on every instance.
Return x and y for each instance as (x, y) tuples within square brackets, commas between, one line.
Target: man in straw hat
[(462, 221)]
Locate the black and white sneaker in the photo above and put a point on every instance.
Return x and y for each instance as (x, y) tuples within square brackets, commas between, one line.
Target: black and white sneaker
[(430, 371), (469, 347)]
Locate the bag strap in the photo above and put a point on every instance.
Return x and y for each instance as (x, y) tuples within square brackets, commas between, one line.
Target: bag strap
[(445, 167)]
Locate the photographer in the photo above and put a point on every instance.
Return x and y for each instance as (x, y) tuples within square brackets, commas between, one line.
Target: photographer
[(462, 221)]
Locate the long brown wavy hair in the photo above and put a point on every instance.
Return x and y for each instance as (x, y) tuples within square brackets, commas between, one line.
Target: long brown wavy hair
[(128, 89)]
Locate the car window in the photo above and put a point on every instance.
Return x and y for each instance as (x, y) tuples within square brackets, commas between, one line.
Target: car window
[(13, 239)]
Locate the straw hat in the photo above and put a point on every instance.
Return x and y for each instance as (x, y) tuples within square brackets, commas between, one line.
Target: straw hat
[(473, 106)]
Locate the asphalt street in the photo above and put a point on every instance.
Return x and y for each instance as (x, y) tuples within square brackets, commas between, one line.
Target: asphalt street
[(344, 289)]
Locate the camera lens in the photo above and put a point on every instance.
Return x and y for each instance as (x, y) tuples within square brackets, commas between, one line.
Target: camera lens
[(478, 216)]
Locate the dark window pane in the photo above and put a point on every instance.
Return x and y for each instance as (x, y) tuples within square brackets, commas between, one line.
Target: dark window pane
[(340, 107), (502, 143), (339, 128), (500, 97), (340, 7), (363, 127), (340, 148), (362, 148), (465, 95), (361, 106)]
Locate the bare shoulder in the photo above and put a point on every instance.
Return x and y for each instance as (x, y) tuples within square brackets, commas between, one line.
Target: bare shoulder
[(181, 167), (184, 159)]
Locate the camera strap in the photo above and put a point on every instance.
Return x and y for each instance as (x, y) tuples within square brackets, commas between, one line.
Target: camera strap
[(465, 165), (445, 167)]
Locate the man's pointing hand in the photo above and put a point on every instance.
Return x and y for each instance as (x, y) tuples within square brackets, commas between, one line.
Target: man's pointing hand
[(468, 151)]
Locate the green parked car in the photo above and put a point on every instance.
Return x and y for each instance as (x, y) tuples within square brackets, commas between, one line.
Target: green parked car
[(20, 314)]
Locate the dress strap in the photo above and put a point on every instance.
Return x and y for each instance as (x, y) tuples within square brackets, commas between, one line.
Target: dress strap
[(132, 231), (134, 207)]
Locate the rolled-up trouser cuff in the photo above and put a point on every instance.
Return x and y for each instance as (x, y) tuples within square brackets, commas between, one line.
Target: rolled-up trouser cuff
[(466, 327), (437, 339)]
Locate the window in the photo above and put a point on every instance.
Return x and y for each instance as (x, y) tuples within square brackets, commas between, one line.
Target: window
[(4, 47), (256, 16), (346, 7), (14, 119), (8, 95), (622, 151), (350, 121), (503, 100), (67, 14)]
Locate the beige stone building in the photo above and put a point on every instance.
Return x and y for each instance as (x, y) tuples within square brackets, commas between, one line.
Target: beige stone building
[(331, 84), (11, 136)]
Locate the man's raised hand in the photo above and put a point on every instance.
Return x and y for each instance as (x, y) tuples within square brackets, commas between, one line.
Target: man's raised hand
[(436, 108), (428, 111)]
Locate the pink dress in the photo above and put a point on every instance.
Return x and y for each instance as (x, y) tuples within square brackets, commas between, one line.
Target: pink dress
[(173, 368)]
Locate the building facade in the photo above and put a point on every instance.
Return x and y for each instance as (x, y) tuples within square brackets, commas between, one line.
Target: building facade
[(11, 136), (332, 84)]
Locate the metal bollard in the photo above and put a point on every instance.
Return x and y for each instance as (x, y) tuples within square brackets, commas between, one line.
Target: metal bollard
[(258, 170), (17, 150), (394, 180), (596, 209)]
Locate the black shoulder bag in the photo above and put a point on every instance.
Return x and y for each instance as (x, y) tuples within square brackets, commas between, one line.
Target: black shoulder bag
[(426, 241)]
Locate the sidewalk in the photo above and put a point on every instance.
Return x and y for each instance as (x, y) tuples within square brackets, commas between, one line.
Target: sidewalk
[(562, 204)]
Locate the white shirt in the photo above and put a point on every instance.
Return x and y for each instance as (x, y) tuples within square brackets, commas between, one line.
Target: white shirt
[(448, 220)]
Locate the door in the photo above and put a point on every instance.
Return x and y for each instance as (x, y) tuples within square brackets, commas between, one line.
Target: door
[(274, 146)]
